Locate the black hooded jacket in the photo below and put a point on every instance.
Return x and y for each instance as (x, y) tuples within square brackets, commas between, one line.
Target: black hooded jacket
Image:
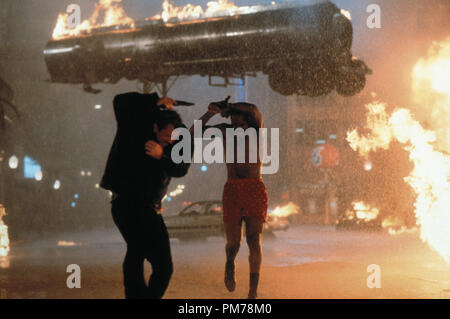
[(129, 171)]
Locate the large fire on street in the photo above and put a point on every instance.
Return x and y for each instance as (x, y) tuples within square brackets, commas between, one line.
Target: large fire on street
[(430, 177)]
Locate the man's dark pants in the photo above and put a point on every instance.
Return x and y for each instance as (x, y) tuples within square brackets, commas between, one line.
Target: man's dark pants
[(146, 236)]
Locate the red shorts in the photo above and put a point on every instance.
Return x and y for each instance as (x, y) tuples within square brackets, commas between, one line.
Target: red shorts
[(244, 197)]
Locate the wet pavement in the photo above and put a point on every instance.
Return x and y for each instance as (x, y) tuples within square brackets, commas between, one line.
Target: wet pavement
[(302, 262)]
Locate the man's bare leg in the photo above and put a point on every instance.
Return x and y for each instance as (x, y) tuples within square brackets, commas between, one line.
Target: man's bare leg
[(233, 230), (253, 229)]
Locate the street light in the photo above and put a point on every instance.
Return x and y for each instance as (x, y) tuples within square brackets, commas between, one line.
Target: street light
[(57, 184), (38, 175), (13, 162)]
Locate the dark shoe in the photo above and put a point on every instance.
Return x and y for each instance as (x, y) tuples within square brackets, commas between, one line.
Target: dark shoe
[(254, 279), (252, 295), (230, 283)]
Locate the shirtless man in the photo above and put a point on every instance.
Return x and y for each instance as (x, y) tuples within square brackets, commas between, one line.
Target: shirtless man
[(244, 194)]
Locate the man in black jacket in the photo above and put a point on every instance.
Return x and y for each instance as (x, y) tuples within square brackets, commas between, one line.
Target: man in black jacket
[(138, 172)]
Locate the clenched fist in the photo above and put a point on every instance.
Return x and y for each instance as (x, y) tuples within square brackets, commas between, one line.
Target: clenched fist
[(153, 149), (213, 108)]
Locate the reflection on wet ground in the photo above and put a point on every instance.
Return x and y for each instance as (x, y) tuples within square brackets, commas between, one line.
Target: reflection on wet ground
[(323, 262)]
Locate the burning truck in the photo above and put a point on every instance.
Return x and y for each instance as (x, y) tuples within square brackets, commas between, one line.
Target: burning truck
[(304, 48)]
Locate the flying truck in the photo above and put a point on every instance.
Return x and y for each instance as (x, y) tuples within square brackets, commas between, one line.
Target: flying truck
[(304, 48)]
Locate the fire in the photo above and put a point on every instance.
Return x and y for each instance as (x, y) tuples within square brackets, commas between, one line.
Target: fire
[(380, 137), (111, 11), (430, 177), (286, 210), (114, 15), (391, 222), (63, 243), (431, 87), (362, 211), (4, 239), (190, 11), (172, 11), (395, 226)]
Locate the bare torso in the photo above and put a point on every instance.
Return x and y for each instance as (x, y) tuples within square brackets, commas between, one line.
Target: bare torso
[(251, 167), (243, 170)]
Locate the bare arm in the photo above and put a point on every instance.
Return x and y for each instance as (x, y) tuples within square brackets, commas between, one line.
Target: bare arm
[(213, 109), (204, 118)]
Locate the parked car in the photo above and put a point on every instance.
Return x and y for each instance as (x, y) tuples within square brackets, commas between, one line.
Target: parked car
[(204, 218)]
